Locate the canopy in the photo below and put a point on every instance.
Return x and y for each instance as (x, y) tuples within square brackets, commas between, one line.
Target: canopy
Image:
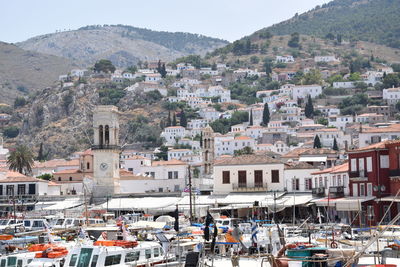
[(145, 203), (351, 203), (65, 204), (291, 200), (147, 224), (314, 159)]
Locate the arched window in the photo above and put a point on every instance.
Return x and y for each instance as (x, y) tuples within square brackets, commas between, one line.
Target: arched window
[(70, 178), (107, 135), (59, 178), (205, 143), (88, 166), (101, 135)]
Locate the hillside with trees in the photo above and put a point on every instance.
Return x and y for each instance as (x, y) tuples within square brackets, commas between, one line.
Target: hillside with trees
[(374, 21)]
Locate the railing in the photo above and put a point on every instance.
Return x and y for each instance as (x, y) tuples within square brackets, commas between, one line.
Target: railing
[(114, 147), (249, 187), (394, 172), (358, 175), (25, 197), (319, 191)]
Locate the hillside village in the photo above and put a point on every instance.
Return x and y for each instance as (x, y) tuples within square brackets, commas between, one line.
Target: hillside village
[(311, 129)]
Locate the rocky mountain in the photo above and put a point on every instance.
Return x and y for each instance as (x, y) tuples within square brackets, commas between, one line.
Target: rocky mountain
[(23, 72), (123, 45), (61, 118), (367, 20)]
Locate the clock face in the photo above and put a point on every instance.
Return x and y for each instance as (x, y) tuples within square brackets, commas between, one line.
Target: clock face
[(103, 166)]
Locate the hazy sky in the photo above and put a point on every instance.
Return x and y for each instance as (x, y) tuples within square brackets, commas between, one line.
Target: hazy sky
[(227, 19)]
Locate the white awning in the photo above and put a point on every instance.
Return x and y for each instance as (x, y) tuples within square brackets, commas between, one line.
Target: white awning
[(65, 204), (314, 159), (351, 203), (242, 198), (144, 203), (147, 224), (292, 200), (390, 199)]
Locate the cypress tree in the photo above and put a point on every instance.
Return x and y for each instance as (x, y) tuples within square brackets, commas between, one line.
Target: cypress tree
[(335, 145), (201, 139), (251, 117), (183, 121), (174, 120), (41, 156), (266, 115), (163, 71), (317, 142), (169, 119), (309, 109)]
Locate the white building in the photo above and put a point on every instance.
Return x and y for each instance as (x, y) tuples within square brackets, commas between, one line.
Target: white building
[(173, 133), (391, 95), (210, 114), (227, 145), (325, 59), (376, 135), (298, 177), (303, 91), (284, 59), (178, 153), (340, 121), (248, 173), (328, 135)]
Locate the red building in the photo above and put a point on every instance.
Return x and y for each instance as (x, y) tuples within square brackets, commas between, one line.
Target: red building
[(374, 176)]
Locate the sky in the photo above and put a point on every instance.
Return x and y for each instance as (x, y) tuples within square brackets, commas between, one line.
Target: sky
[(225, 19)]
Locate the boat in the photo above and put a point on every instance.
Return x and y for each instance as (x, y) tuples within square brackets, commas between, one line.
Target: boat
[(117, 253)]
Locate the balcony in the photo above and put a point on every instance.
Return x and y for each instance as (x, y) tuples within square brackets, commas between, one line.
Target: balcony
[(359, 176), (394, 173), (337, 191), (109, 147), (318, 192), (245, 187)]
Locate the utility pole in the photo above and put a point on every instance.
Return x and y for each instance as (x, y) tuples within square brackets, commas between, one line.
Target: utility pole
[(274, 206), (294, 182), (86, 207), (190, 196)]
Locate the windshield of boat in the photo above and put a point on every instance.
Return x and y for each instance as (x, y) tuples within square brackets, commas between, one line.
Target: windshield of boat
[(59, 221), (3, 222)]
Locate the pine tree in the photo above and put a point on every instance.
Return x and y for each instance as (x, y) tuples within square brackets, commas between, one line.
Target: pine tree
[(251, 118), (335, 145), (201, 139), (183, 121), (266, 115), (169, 119), (309, 109), (317, 142), (174, 120)]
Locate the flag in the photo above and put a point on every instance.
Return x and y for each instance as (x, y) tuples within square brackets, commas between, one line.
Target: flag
[(176, 215), (254, 232)]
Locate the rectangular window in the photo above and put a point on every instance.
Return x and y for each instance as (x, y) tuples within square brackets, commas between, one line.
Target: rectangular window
[(147, 253), (369, 164), (242, 178), (132, 256), (112, 260), (353, 165), (156, 252), (295, 184), (1, 190), (84, 257), (362, 190), (130, 169), (94, 261), (370, 212), (10, 190), (169, 175), (72, 262), (355, 190), (361, 165), (21, 189), (258, 178), (275, 176), (175, 175), (369, 189), (32, 189), (226, 177), (384, 161), (308, 185)]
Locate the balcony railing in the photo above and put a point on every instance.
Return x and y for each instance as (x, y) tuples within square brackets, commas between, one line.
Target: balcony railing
[(359, 175), (112, 147), (319, 191), (249, 187), (394, 172), (19, 197)]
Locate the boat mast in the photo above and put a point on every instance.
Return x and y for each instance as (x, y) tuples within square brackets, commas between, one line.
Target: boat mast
[(190, 197)]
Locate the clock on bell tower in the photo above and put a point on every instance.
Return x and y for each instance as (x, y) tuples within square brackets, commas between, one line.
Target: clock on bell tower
[(106, 151)]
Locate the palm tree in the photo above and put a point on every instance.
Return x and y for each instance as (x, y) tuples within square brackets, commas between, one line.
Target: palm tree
[(21, 160)]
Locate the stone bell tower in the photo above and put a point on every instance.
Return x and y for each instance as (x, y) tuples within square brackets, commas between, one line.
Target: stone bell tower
[(106, 150), (208, 149)]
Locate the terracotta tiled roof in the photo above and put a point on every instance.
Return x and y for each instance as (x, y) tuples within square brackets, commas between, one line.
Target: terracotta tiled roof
[(16, 177), (243, 138), (133, 157), (335, 169), (298, 165), (380, 145), (391, 128), (247, 160), (68, 171), (169, 162), (55, 163)]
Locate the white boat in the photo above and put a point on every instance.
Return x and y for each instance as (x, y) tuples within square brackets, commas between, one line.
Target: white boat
[(17, 259), (144, 254)]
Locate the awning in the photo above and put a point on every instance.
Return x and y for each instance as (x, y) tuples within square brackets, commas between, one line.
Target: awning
[(314, 159), (297, 200), (242, 198), (325, 202), (351, 203), (65, 204), (144, 203), (390, 199)]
